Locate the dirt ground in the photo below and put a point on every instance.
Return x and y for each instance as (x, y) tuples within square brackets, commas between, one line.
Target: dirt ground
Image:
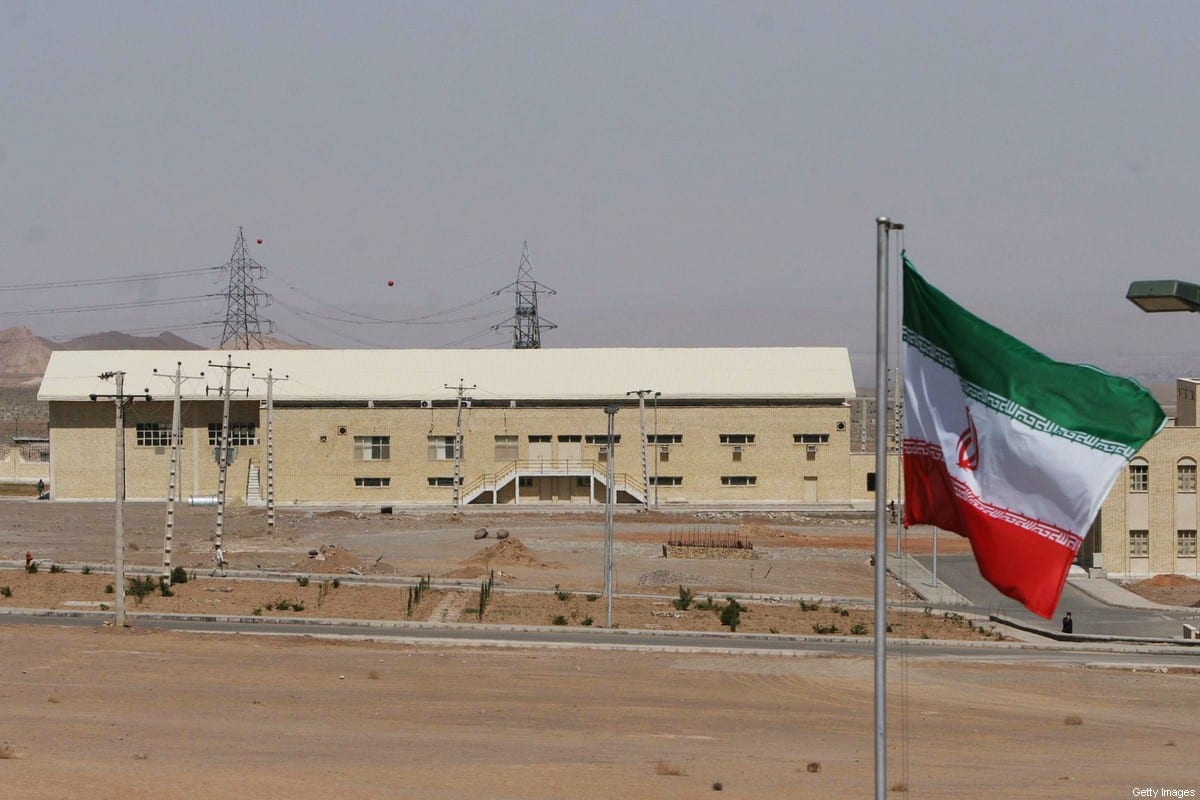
[(102, 713)]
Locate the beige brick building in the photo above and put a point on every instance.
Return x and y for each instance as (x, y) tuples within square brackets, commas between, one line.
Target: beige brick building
[(1148, 523), (724, 426)]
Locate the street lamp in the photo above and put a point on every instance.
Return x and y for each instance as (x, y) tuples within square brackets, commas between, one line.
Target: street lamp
[(1168, 295)]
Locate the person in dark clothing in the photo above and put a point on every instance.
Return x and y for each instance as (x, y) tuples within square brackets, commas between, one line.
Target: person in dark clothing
[(1068, 624)]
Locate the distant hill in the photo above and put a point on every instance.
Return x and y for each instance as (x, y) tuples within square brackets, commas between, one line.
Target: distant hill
[(24, 354)]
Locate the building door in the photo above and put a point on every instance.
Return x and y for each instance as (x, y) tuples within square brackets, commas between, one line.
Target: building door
[(570, 450), (810, 488)]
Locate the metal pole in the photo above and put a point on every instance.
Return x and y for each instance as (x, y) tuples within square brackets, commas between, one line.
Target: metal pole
[(609, 498), (658, 447), (119, 468), (883, 226), (641, 393), (270, 449), (935, 555)]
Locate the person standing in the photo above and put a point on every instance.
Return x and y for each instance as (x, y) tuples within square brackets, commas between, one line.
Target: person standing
[(219, 562), (1068, 624)]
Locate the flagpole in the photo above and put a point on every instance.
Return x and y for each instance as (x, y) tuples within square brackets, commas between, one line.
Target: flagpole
[(883, 226)]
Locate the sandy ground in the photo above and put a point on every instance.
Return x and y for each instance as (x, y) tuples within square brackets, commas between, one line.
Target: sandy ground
[(99, 713), (103, 714)]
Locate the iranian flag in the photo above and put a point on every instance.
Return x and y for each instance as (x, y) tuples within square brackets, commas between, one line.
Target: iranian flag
[(1007, 447)]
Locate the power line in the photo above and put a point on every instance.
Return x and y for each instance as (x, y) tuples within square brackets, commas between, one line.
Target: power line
[(108, 306), (149, 276)]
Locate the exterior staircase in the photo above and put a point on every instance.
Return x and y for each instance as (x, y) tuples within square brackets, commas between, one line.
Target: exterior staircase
[(486, 488), (253, 486)]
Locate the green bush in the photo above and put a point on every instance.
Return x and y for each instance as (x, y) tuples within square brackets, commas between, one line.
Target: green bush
[(685, 599), (32, 568), (5, 591), (859, 629), (139, 588), (560, 620), (561, 594), (86, 570), (164, 587), (55, 569), (591, 598), (179, 575), (302, 580), (731, 614), (815, 605), (109, 589), (586, 621)]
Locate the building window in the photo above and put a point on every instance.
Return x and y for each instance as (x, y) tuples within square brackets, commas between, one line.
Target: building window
[(1139, 544), (601, 438), (525, 483), (153, 434), (583, 483), (449, 482), (1185, 544), (375, 483), (540, 439), (507, 448), (666, 480), (737, 438), (665, 438), (441, 448), (1139, 477), (1185, 476), (570, 437), (372, 448), (239, 435), (810, 438), (870, 481), (739, 480)]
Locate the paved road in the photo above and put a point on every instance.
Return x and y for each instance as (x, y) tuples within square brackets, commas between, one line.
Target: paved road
[(497, 636), (1091, 616)]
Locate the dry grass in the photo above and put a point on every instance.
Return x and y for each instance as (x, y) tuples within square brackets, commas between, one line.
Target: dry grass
[(7, 751), (665, 768), (900, 787), (814, 766), (1073, 719), (373, 675)]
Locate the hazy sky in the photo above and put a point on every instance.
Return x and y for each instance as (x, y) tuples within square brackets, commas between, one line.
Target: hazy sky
[(685, 173)]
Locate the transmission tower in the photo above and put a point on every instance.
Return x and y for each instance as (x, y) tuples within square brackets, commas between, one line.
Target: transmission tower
[(243, 328), (526, 324)]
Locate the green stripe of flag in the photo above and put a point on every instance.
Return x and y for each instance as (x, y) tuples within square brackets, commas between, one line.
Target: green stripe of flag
[(1074, 396)]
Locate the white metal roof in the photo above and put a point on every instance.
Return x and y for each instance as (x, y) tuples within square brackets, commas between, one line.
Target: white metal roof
[(793, 373)]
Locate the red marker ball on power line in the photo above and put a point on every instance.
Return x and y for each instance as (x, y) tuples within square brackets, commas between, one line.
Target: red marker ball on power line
[(391, 283), (260, 241)]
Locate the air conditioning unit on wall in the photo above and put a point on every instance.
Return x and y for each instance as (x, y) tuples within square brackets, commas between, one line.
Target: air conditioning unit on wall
[(737, 449), (664, 449), (812, 448)]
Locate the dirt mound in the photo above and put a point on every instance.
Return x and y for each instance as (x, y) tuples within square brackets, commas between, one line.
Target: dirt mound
[(507, 553), (754, 532), (1169, 582), (466, 573), (331, 560), (340, 515)]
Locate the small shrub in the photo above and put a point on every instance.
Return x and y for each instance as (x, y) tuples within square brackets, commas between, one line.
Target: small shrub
[(256, 612), (560, 620), (664, 768), (86, 570), (844, 612), (591, 598), (139, 588), (297, 606), (900, 787), (55, 569), (302, 580), (5, 591), (859, 629), (825, 630), (109, 589), (814, 766), (587, 621), (164, 588), (337, 582), (708, 605), (179, 575), (773, 630), (32, 568), (731, 614), (561, 594), (7, 751), (927, 611), (373, 675), (685, 599), (805, 605), (1073, 719)]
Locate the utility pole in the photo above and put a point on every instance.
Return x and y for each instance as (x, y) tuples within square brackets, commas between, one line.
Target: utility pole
[(658, 446), (458, 441), (119, 399), (172, 482), (223, 456), (641, 393), (270, 380), (609, 499)]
